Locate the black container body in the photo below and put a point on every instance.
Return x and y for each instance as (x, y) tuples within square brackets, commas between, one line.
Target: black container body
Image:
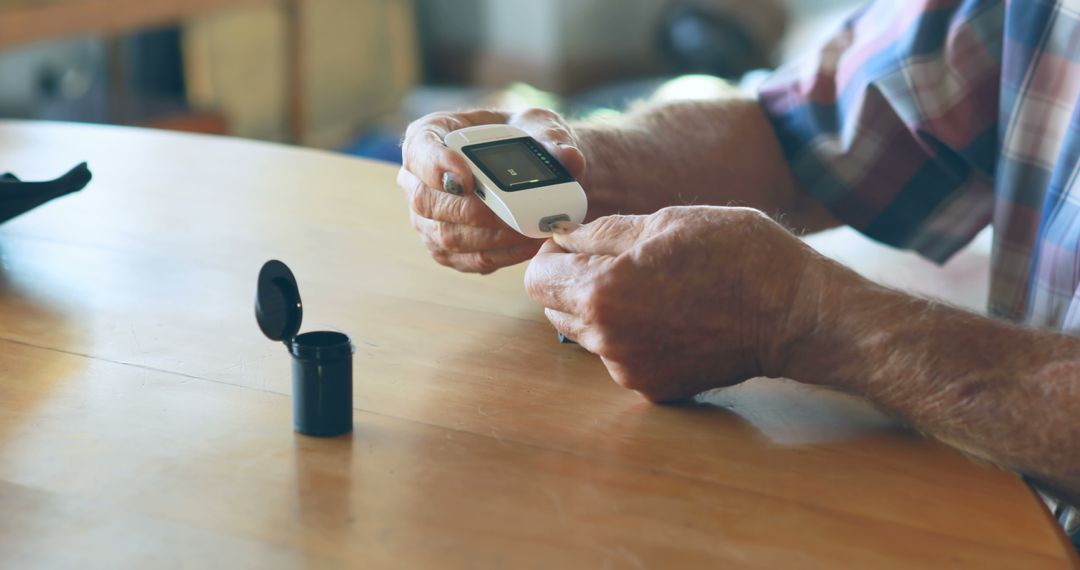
[(322, 383)]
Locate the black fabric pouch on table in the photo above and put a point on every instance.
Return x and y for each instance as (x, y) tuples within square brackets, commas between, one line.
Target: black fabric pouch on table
[(18, 197)]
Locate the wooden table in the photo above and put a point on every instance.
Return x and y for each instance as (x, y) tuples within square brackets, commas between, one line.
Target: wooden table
[(145, 422)]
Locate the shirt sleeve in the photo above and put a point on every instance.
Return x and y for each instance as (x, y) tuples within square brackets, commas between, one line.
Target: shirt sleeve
[(892, 125)]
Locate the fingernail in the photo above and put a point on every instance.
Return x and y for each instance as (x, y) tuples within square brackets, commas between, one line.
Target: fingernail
[(566, 146), (450, 184)]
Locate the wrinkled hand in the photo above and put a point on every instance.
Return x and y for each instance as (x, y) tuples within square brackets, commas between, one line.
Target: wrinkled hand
[(457, 228), (681, 301)]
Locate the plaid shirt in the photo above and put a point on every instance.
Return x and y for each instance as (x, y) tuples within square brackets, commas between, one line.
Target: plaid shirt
[(922, 121)]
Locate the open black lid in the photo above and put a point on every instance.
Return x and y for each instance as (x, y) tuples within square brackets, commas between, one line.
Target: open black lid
[(277, 302)]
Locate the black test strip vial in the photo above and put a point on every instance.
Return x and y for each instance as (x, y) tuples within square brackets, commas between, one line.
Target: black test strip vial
[(321, 360)]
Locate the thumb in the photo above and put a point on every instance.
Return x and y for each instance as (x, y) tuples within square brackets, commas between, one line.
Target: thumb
[(610, 235)]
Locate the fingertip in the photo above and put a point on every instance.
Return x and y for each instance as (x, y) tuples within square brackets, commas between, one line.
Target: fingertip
[(568, 155), (451, 185), (569, 241), (551, 245), (571, 158), (455, 174)]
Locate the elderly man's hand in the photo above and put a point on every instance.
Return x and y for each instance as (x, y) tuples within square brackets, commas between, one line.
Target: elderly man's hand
[(681, 301), (457, 228)]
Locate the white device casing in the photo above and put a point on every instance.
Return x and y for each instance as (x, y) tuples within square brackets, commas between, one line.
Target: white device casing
[(522, 210)]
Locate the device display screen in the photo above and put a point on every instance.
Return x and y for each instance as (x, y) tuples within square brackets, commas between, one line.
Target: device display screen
[(517, 164)]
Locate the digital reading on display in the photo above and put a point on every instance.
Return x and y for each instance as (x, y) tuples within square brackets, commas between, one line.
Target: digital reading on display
[(517, 164)]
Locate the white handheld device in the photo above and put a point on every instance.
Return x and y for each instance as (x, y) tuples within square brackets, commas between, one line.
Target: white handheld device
[(520, 181)]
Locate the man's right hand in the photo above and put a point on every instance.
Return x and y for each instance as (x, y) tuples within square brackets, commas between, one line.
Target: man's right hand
[(457, 228)]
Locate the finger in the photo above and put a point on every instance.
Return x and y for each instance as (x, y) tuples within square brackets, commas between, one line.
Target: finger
[(440, 206), (426, 155), (610, 235), (551, 130), (563, 281), (488, 261), (551, 247), (573, 328), (462, 238)]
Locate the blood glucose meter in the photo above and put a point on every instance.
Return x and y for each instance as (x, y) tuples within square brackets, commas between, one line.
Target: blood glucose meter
[(520, 181)]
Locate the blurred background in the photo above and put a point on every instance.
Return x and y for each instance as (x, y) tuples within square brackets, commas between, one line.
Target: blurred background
[(350, 74)]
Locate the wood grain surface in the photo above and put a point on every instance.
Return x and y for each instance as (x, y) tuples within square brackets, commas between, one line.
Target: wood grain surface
[(145, 422)]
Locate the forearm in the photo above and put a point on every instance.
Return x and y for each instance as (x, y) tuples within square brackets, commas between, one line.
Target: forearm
[(998, 391), (718, 152)]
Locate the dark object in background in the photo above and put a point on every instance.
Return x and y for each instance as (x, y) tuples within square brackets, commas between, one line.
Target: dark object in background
[(155, 63), (448, 51), (17, 196), (321, 360), (707, 38), (132, 79)]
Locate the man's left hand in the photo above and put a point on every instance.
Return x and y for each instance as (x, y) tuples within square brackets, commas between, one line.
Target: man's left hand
[(680, 301)]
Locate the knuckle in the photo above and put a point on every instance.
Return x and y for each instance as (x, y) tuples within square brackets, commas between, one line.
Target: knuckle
[(411, 130), (452, 120), (556, 134), (748, 215), (602, 343), (480, 116), (423, 122), (486, 262), (442, 258), (539, 113), (668, 217), (447, 236), (668, 212), (420, 201), (412, 155), (604, 292), (426, 239), (629, 381), (612, 345), (750, 220), (428, 120), (598, 308), (424, 128)]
